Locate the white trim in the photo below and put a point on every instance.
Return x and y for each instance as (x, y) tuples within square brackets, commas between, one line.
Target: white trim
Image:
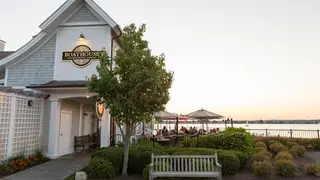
[(6, 77), (41, 125), (74, 12), (59, 11), (67, 109), (23, 49), (80, 120), (101, 13), (83, 24), (53, 145), (68, 3), (11, 128)]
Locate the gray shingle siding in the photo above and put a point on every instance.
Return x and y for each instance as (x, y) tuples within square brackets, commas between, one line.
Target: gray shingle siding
[(38, 68), (83, 15), (46, 126)]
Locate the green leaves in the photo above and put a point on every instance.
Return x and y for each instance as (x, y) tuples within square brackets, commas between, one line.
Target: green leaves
[(138, 84)]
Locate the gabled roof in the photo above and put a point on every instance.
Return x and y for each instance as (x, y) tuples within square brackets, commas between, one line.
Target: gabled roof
[(52, 22), (69, 3)]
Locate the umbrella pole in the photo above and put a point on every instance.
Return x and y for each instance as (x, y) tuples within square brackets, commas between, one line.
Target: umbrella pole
[(177, 121)]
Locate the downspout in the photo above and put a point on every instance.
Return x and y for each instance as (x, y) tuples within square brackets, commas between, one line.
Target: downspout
[(111, 53), (112, 138)]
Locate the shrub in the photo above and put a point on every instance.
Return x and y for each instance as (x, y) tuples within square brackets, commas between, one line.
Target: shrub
[(146, 174), (228, 159), (299, 149), (171, 150), (113, 154), (284, 155), (304, 142), (317, 169), (230, 163), (233, 138), (285, 167), (262, 168), (101, 168), (260, 144), (146, 142), (261, 156), (315, 143), (293, 152), (4, 170), (277, 147), (272, 142), (308, 168), (243, 157), (140, 156), (258, 149), (290, 144)]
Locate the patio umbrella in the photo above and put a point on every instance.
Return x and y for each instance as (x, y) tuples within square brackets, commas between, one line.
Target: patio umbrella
[(204, 115), (165, 115)]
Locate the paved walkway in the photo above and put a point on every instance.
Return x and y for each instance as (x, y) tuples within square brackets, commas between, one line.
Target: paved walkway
[(57, 169)]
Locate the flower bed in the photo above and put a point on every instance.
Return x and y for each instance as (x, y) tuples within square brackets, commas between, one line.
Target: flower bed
[(20, 163)]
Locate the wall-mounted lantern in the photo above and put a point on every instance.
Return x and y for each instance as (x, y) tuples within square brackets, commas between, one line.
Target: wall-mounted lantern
[(81, 37), (30, 103)]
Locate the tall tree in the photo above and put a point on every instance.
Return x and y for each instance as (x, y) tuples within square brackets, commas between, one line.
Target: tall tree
[(134, 85)]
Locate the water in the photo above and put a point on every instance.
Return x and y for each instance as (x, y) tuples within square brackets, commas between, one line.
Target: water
[(297, 130)]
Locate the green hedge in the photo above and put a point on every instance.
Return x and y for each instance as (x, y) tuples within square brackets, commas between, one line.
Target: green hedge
[(235, 140), (113, 154), (230, 162), (101, 168), (139, 157)]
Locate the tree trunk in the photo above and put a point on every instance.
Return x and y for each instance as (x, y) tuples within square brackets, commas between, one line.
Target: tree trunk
[(126, 150)]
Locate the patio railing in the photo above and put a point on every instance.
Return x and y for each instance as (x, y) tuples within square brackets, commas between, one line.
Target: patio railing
[(293, 133)]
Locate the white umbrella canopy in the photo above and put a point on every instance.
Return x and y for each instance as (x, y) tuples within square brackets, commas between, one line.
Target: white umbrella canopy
[(165, 115), (203, 114)]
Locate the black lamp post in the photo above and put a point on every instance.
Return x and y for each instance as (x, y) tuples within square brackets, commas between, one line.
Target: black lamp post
[(177, 121), (227, 120), (231, 121)]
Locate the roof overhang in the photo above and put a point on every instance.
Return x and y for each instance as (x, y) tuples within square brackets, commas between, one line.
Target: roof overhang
[(59, 85)]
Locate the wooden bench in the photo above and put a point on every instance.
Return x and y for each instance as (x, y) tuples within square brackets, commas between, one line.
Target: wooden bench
[(185, 166), (83, 142)]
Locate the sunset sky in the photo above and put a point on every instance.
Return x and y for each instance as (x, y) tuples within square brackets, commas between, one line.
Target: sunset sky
[(246, 59)]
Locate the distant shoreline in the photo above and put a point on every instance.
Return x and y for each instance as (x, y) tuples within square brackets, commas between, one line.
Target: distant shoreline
[(250, 122)]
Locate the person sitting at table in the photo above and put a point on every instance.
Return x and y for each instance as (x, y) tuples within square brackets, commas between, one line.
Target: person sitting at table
[(159, 133), (194, 130), (165, 133), (182, 129)]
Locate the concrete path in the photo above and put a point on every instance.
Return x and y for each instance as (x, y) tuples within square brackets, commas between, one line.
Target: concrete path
[(57, 169)]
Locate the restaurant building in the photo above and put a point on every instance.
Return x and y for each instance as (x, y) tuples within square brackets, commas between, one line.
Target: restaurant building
[(44, 101)]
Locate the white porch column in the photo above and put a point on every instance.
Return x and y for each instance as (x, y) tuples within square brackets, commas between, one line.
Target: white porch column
[(80, 119), (105, 129), (54, 129), (11, 127)]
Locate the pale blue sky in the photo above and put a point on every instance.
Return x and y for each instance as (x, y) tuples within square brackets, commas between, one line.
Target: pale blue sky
[(246, 59)]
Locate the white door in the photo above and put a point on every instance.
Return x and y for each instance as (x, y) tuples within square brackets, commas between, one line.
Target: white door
[(87, 124), (65, 132)]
